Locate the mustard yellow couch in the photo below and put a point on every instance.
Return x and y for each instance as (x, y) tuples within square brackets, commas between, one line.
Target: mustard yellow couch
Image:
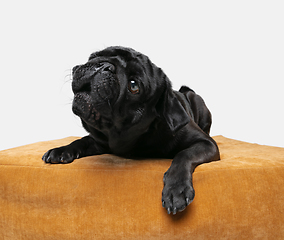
[(108, 197)]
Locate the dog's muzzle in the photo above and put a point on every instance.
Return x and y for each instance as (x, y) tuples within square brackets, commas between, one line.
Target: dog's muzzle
[(96, 88)]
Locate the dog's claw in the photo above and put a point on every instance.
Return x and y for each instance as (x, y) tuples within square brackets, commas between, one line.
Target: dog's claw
[(174, 211), (169, 210), (163, 204), (187, 201), (47, 160)]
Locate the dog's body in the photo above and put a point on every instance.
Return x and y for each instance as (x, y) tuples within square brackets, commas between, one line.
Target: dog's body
[(128, 106)]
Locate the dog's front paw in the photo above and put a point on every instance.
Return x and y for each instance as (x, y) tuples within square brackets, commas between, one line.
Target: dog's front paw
[(63, 154), (178, 192)]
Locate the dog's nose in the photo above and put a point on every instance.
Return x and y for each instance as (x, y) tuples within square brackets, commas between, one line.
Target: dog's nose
[(75, 68)]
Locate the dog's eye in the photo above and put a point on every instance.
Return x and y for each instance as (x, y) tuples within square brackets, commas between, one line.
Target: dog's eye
[(133, 87)]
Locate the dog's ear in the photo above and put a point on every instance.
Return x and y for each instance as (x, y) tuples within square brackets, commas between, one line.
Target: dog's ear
[(170, 109)]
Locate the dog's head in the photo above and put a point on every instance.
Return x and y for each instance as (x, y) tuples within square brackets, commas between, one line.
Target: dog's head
[(119, 88)]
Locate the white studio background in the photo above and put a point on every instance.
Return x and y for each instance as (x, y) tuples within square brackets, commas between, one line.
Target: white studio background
[(229, 52)]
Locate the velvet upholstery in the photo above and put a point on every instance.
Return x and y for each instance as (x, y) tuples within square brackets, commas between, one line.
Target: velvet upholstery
[(108, 197)]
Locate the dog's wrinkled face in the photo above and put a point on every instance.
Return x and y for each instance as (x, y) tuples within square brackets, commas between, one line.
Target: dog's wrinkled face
[(117, 88)]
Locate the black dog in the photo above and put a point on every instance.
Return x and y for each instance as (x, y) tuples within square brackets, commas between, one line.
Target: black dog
[(128, 106)]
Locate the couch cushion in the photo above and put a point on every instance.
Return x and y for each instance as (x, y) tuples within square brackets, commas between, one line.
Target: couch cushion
[(109, 197)]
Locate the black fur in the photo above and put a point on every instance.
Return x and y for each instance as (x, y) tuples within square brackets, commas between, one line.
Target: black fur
[(128, 106)]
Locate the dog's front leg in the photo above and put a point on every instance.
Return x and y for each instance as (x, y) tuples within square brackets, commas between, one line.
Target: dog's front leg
[(178, 190), (83, 147)]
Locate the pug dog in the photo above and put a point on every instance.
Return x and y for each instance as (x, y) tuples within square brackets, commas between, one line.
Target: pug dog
[(127, 105)]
